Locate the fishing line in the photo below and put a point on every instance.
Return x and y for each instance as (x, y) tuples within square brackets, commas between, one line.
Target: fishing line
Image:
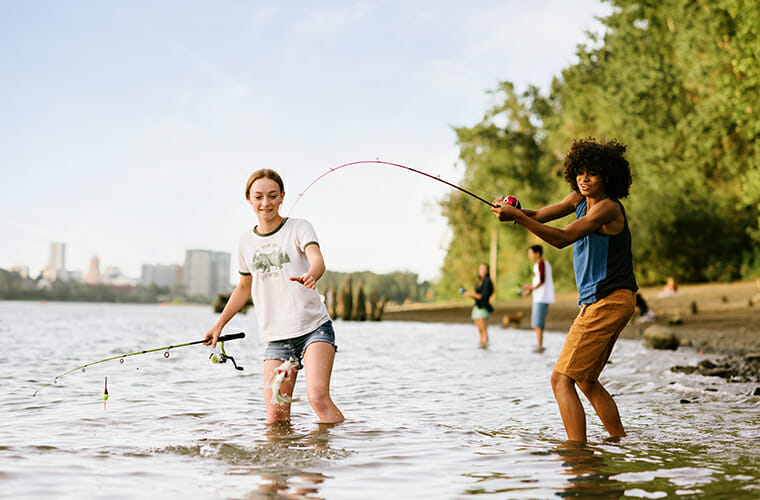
[(452, 278), (223, 357), (379, 162)]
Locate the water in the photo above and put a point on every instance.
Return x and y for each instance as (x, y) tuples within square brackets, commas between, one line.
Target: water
[(431, 416)]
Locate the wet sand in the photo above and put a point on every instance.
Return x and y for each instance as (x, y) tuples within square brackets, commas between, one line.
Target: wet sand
[(718, 318)]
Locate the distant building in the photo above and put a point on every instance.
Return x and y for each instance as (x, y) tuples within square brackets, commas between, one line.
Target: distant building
[(93, 275), (56, 268), (162, 275), (206, 273), (22, 270), (112, 276)]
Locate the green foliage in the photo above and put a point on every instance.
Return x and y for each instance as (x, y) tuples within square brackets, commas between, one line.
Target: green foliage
[(677, 81), (397, 286), (14, 287), (507, 152)]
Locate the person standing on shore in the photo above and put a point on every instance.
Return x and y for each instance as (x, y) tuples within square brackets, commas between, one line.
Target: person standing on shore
[(280, 261), (599, 176), (542, 290), (482, 309)]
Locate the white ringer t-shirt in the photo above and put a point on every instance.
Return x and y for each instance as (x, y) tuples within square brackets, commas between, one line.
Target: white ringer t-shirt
[(285, 309)]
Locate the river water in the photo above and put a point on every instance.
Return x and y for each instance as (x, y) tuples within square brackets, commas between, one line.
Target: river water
[(430, 416)]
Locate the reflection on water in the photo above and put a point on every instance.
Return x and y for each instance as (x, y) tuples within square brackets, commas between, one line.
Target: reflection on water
[(288, 481), (429, 416), (586, 469)]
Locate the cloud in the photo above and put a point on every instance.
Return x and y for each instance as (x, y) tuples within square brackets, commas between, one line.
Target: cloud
[(328, 20), (264, 14)]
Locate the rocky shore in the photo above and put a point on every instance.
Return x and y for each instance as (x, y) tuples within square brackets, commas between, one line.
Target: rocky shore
[(719, 319)]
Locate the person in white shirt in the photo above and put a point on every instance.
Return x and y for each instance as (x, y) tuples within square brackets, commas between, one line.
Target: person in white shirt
[(542, 289), (280, 261)]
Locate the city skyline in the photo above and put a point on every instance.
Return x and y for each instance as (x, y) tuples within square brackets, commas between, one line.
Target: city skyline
[(57, 263), (128, 130)]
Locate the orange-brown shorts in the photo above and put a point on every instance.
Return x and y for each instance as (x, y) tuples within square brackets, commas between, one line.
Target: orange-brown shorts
[(593, 334)]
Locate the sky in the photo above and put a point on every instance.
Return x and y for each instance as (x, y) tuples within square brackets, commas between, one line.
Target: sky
[(128, 129)]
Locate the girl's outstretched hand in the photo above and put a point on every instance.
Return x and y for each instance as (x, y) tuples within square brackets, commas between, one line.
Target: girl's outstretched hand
[(306, 280)]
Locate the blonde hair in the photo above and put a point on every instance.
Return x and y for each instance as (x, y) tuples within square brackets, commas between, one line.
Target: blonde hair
[(263, 173)]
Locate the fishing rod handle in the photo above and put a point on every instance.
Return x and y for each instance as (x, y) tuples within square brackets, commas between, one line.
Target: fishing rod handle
[(231, 336)]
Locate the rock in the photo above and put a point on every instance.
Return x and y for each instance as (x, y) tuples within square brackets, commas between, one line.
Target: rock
[(685, 401), (706, 364), (733, 369), (684, 369), (722, 371), (756, 392), (752, 357), (660, 337)]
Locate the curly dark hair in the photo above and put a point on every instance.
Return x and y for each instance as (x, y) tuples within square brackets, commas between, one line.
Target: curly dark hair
[(604, 159)]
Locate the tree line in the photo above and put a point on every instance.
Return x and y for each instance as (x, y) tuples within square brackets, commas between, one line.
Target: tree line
[(364, 287), (14, 287), (678, 83)]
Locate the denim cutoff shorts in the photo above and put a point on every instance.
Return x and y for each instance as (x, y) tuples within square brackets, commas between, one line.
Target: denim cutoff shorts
[(294, 348), (538, 314)]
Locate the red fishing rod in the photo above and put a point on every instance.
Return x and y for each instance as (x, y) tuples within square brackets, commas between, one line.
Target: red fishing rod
[(365, 162)]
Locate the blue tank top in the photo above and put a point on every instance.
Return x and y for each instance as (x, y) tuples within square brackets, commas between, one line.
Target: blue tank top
[(603, 263)]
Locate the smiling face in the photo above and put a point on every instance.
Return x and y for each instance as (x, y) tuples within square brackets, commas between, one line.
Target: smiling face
[(590, 185), (265, 197)]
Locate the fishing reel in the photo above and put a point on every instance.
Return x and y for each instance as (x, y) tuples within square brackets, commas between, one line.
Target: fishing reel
[(222, 357)]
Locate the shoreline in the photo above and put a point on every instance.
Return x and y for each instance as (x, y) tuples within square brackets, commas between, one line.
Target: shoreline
[(714, 318)]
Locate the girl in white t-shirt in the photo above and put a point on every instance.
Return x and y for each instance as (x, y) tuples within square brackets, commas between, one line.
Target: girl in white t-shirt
[(279, 262)]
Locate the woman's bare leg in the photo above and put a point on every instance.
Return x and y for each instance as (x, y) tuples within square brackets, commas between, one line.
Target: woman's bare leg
[(278, 412), (318, 362), (482, 325)]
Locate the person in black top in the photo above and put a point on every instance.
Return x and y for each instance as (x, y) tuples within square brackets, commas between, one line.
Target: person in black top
[(482, 309)]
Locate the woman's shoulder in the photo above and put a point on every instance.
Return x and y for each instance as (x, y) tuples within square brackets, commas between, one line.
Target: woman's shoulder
[(296, 222), (248, 233)]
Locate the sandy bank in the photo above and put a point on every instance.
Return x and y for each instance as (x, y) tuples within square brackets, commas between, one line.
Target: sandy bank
[(711, 317)]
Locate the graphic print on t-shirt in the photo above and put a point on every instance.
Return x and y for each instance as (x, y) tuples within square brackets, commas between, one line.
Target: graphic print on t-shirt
[(269, 259)]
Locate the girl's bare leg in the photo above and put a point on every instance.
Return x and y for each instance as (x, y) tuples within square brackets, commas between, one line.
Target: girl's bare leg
[(482, 325), (605, 407), (278, 412), (570, 407), (318, 362)]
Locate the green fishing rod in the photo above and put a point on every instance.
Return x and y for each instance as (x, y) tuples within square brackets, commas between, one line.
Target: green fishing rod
[(222, 357)]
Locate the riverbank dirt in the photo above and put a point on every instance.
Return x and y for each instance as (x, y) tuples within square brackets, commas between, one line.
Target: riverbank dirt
[(714, 318)]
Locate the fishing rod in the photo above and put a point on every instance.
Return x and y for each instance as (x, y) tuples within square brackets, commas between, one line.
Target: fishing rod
[(223, 357), (456, 281), (378, 161)]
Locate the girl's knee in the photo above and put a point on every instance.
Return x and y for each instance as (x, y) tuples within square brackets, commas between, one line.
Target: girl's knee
[(587, 386), (560, 380), (319, 399)]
